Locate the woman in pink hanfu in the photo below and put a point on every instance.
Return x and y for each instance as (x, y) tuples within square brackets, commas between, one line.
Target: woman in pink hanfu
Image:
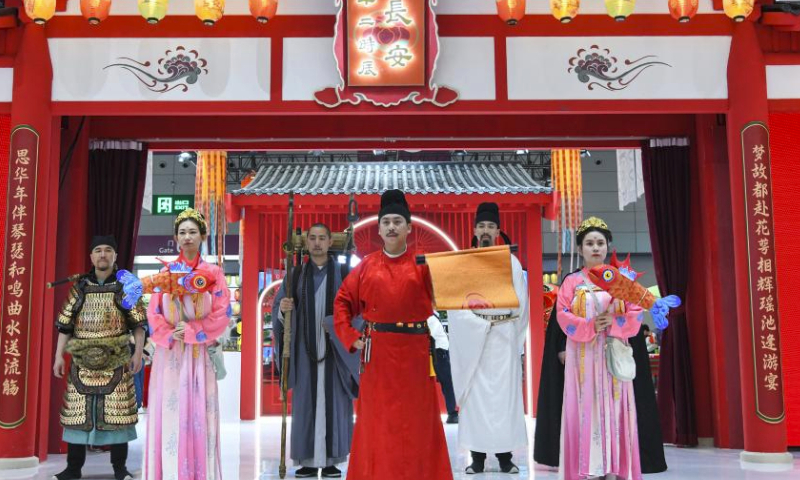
[(183, 425), (598, 423)]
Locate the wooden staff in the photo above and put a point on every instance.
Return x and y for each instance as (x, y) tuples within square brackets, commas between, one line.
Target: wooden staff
[(288, 249)]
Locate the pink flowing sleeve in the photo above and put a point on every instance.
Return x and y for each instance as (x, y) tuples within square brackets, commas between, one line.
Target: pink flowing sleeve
[(208, 329), (627, 325), (577, 328), (346, 306), (160, 329)]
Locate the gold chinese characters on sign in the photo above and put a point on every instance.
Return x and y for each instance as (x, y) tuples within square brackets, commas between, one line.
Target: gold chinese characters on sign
[(17, 275), (386, 42), (762, 273)]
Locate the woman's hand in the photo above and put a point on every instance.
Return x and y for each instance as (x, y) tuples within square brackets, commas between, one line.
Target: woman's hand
[(602, 321), (179, 331), (359, 344)]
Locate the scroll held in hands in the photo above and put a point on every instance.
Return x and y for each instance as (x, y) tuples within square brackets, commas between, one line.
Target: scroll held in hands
[(475, 279)]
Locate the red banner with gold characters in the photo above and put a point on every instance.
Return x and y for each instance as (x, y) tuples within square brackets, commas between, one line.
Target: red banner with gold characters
[(386, 43), (17, 275), (762, 272)]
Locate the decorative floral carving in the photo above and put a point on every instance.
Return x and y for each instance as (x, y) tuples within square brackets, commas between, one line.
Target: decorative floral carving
[(598, 64), (176, 70)]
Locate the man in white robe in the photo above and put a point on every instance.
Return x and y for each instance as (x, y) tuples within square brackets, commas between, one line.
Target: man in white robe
[(485, 355)]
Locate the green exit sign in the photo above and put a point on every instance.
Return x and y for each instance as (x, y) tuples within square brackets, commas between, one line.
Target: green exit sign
[(171, 204)]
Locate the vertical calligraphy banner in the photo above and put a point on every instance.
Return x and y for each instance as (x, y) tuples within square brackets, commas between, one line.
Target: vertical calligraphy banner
[(17, 275), (762, 272)]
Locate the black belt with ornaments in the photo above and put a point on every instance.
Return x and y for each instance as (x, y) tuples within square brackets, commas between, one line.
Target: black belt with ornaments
[(414, 328)]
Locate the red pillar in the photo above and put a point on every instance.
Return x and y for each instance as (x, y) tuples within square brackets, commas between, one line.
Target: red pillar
[(251, 324), (533, 225), (722, 350), (71, 248), (764, 433), (20, 440)]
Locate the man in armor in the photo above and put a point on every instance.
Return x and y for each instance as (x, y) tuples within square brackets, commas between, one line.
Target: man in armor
[(100, 401)]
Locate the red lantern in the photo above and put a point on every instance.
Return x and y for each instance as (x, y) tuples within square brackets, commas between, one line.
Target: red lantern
[(95, 11), (263, 10), (683, 10), (511, 11)]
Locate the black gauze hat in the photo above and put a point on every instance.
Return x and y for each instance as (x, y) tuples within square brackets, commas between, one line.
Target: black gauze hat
[(103, 240), (394, 202), (488, 212)]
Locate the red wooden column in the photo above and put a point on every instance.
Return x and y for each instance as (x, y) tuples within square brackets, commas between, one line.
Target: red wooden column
[(717, 266), (30, 237), (752, 234), (251, 324), (533, 231), (72, 250)]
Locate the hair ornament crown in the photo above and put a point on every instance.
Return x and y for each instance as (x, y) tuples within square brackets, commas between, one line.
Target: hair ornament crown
[(191, 214), (589, 223)]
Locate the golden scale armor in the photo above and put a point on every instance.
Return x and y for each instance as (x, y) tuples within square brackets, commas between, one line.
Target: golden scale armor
[(100, 330)]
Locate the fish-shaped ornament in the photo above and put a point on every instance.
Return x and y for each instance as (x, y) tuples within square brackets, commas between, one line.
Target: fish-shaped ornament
[(619, 280), (178, 279)]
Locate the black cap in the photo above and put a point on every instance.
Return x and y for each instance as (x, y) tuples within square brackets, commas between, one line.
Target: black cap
[(103, 240), (488, 212), (394, 202)]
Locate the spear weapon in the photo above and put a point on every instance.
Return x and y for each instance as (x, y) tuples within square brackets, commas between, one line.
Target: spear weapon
[(288, 249)]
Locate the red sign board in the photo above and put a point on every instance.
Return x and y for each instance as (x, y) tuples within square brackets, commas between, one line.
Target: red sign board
[(762, 273), (386, 52), (386, 42), (17, 275)]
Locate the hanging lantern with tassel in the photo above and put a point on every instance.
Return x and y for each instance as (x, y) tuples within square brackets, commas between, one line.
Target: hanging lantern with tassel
[(565, 10), (511, 11), (263, 10), (619, 10), (209, 197), (683, 10), (738, 10), (567, 180), (95, 11), (153, 10), (40, 11), (209, 11)]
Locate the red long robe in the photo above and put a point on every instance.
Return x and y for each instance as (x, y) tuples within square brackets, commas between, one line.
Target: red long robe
[(398, 432)]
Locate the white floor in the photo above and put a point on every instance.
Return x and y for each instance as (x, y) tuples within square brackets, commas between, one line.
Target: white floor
[(251, 450)]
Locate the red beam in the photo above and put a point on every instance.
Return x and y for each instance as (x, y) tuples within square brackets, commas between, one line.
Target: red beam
[(485, 127), (184, 26), (583, 25)]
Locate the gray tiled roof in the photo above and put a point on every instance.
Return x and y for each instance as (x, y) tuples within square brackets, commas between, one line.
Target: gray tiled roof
[(375, 178)]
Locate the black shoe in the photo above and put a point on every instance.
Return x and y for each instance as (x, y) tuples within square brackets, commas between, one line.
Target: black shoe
[(67, 475), (331, 472), (122, 474), (509, 467), (452, 417), (475, 467), (306, 472)]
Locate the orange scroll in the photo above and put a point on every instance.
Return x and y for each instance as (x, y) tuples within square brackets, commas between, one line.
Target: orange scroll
[(474, 279)]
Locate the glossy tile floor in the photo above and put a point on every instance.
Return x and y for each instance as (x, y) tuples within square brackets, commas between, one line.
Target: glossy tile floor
[(251, 450)]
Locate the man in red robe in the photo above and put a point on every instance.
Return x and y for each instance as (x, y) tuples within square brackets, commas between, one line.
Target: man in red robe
[(398, 432)]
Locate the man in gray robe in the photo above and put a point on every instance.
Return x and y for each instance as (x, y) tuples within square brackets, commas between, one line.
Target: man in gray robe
[(322, 373)]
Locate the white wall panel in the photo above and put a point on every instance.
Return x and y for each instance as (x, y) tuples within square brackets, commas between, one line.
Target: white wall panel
[(466, 64), (308, 66), (538, 68), (238, 69), (783, 81), (6, 84)]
